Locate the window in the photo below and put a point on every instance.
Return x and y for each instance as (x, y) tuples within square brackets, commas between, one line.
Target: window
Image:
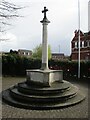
[(85, 44), (82, 44), (76, 45), (88, 43), (24, 53), (28, 53)]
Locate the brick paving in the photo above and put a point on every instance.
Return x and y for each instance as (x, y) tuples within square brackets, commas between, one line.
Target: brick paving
[(77, 111)]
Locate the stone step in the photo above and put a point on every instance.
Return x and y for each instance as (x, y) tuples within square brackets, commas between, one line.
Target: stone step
[(43, 99), (55, 88), (74, 100)]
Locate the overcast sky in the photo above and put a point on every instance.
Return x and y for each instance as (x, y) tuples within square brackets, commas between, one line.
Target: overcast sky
[(26, 32)]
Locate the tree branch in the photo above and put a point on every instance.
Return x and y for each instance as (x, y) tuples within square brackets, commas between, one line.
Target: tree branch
[(8, 11)]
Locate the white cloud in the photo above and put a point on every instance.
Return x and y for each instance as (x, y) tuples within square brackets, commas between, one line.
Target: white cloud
[(8, 40)]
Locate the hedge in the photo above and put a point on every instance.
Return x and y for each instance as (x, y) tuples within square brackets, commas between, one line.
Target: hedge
[(15, 65)]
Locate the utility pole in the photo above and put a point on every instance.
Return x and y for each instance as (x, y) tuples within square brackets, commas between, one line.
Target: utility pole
[(78, 39), (59, 48)]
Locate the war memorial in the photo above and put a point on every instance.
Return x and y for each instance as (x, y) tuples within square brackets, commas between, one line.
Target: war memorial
[(43, 88)]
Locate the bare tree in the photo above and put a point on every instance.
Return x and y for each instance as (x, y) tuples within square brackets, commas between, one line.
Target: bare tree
[(7, 11)]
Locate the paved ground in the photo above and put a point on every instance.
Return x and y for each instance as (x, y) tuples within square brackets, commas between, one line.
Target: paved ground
[(78, 111)]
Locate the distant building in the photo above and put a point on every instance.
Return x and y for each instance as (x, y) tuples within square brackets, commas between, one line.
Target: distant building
[(13, 52), (84, 46), (89, 16), (26, 53), (58, 56)]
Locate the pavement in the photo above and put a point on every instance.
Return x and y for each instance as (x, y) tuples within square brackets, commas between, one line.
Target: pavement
[(80, 111)]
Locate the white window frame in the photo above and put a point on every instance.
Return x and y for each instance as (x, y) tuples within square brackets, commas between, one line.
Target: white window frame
[(28, 53), (82, 44), (75, 44)]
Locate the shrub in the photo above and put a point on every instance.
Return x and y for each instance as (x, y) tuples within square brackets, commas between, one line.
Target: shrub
[(15, 65)]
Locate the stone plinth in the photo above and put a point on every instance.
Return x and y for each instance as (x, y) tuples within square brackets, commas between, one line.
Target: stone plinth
[(45, 77)]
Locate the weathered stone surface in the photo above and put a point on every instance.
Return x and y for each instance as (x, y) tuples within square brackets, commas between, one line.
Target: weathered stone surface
[(46, 77), (44, 22), (37, 99)]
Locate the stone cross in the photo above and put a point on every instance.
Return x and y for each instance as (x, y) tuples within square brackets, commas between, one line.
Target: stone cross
[(44, 75), (44, 11), (44, 22)]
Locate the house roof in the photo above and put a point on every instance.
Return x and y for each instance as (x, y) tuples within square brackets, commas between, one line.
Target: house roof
[(23, 50), (83, 36), (58, 54)]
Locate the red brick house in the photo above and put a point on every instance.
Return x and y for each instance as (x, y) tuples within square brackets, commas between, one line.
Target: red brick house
[(84, 46)]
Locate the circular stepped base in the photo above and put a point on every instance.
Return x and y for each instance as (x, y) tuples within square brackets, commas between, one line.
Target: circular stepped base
[(59, 95), (54, 89), (43, 99)]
